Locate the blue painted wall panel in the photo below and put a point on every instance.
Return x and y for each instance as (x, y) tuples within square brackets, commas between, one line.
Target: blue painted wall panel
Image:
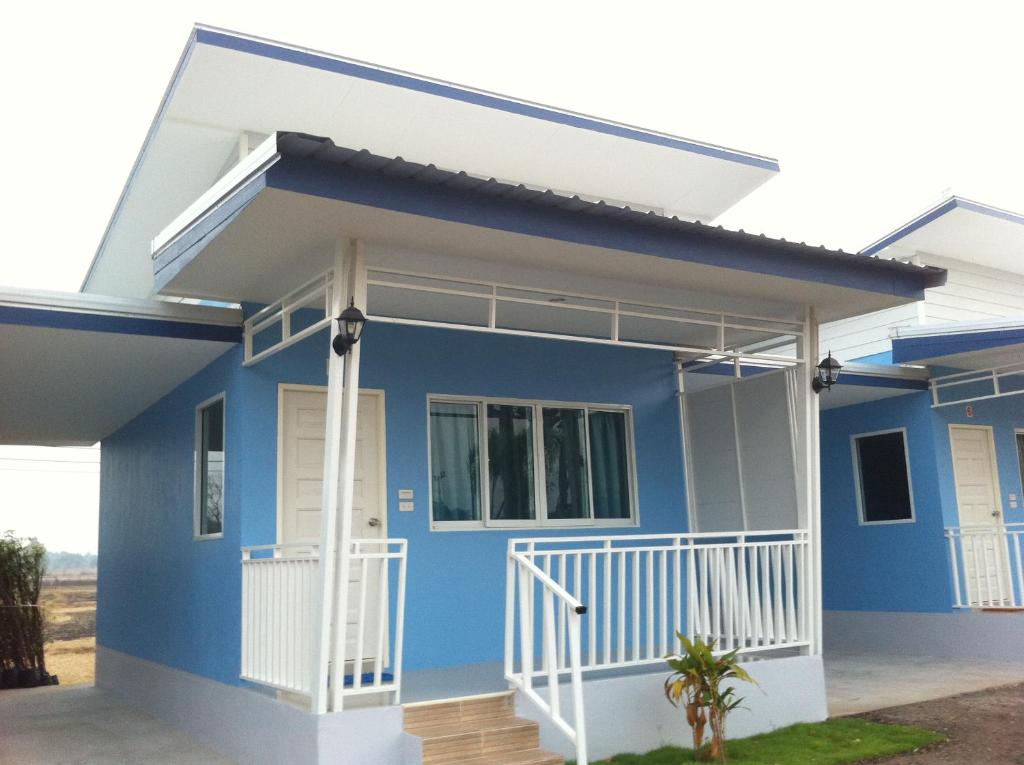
[(455, 600), (883, 567)]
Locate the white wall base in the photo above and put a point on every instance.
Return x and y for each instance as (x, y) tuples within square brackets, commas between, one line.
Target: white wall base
[(250, 726), (981, 635), (630, 714)]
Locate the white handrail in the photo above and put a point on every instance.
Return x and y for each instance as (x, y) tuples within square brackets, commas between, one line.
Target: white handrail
[(280, 585), (557, 606), (986, 564)]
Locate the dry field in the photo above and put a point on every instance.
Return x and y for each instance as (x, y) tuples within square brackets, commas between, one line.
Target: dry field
[(70, 630)]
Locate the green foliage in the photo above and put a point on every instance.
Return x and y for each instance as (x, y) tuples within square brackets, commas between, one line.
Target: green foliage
[(696, 685), (22, 565), (833, 742)]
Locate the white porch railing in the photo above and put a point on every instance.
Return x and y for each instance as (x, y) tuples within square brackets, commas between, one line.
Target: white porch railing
[(280, 594), (986, 565), (617, 601)]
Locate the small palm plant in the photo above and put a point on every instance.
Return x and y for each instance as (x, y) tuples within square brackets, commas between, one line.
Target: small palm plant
[(696, 686)]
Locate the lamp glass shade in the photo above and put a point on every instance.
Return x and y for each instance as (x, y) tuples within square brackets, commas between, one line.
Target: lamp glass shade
[(828, 371), (350, 324)]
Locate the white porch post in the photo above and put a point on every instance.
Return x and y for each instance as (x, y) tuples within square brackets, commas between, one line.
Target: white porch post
[(330, 491), (356, 293), (812, 481)]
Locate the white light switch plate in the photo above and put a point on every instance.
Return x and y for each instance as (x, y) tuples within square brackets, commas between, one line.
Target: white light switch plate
[(405, 494), (406, 507)]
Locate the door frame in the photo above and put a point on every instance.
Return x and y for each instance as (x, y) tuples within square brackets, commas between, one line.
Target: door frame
[(382, 464), (998, 494)]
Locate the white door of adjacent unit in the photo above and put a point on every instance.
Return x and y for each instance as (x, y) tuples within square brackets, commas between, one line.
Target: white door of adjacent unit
[(301, 443), (985, 560)]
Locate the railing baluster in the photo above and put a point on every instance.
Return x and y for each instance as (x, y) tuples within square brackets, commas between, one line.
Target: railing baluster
[(592, 600), (649, 597), (636, 605), (1018, 597), (663, 604), (621, 592)]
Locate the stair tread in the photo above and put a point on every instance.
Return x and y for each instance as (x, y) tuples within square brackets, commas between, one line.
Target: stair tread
[(479, 725), (526, 757)]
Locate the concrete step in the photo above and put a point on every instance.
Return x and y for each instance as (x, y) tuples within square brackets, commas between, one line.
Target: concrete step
[(476, 731)]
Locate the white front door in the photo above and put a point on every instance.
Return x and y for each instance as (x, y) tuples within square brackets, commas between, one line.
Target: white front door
[(301, 445), (986, 564)]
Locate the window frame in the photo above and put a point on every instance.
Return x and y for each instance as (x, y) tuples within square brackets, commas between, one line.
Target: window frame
[(540, 469), (858, 482), (197, 459)]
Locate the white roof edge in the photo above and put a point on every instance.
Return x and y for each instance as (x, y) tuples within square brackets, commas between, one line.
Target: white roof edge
[(958, 328), (480, 91), (80, 302)]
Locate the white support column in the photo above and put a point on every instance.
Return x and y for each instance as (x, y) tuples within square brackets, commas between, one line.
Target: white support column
[(812, 479), (330, 492), (684, 435), (356, 293)]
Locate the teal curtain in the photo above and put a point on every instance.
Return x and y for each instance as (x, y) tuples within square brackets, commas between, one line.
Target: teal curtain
[(610, 464), (565, 463), (510, 462), (454, 461)]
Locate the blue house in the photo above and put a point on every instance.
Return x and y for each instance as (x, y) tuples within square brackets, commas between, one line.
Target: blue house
[(428, 416), (922, 519)]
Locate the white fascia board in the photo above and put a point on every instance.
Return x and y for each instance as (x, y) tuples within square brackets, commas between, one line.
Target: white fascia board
[(87, 302), (259, 160), (957, 328)]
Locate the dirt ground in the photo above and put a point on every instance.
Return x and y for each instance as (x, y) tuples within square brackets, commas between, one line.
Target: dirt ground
[(984, 728), (71, 630)]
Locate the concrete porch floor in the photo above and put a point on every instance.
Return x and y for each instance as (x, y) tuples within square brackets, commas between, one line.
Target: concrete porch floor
[(83, 725), (863, 683)]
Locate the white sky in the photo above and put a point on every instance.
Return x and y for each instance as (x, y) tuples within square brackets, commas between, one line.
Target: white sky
[(874, 109)]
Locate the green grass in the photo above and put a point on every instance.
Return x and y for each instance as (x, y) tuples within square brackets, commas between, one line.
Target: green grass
[(845, 739)]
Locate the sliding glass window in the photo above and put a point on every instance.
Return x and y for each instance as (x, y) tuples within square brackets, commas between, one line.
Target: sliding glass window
[(541, 464)]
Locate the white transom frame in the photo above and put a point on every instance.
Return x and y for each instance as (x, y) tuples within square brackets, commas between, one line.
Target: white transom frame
[(773, 333)]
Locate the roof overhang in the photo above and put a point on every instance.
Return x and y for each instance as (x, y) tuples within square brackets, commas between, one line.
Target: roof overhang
[(273, 228), (78, 367), (961, 345), (960, 229), (229, 85), (860, 383)]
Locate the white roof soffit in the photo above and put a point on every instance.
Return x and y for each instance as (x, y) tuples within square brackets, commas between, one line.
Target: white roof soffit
[(76, 368), (228, 85), (960, 229)]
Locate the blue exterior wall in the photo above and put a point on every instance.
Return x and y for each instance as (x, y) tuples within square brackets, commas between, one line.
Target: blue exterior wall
[(883, 567), (168, 599)]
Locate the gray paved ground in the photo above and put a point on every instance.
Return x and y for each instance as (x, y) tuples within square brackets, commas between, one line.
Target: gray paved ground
[(82, 725)]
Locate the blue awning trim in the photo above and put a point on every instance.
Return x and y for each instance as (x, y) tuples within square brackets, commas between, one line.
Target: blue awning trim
[(937, 212), (179, 253), (125, 325), (398, 79), (908, 349)]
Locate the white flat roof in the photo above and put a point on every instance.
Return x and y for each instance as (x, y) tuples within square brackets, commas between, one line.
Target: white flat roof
[(228, 84), (961, 229)]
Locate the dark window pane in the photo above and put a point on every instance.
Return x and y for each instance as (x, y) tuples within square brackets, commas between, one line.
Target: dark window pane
[(1020, 456), (211, 490), (885, 486), (510, 462), (565, 464), (610, 464), (454, 461)]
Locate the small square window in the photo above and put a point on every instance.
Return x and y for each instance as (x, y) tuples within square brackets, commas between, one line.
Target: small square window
[(209, 514), (883, 477)]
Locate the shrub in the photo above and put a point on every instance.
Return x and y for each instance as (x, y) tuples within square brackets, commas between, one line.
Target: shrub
[(22, 565), (696, 685)]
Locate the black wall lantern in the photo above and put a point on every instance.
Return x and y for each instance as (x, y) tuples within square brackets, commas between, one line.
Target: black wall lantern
[(828, 373), (350, 327)]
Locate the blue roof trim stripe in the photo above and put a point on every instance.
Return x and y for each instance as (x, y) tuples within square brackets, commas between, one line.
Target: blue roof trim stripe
[(125, 325), (706, 245), (305, 58), (914, 225), (910, 349), (875, 381)]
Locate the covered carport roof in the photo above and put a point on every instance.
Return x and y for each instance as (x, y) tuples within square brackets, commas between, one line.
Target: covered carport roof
[(961, 345), (74, 368)]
